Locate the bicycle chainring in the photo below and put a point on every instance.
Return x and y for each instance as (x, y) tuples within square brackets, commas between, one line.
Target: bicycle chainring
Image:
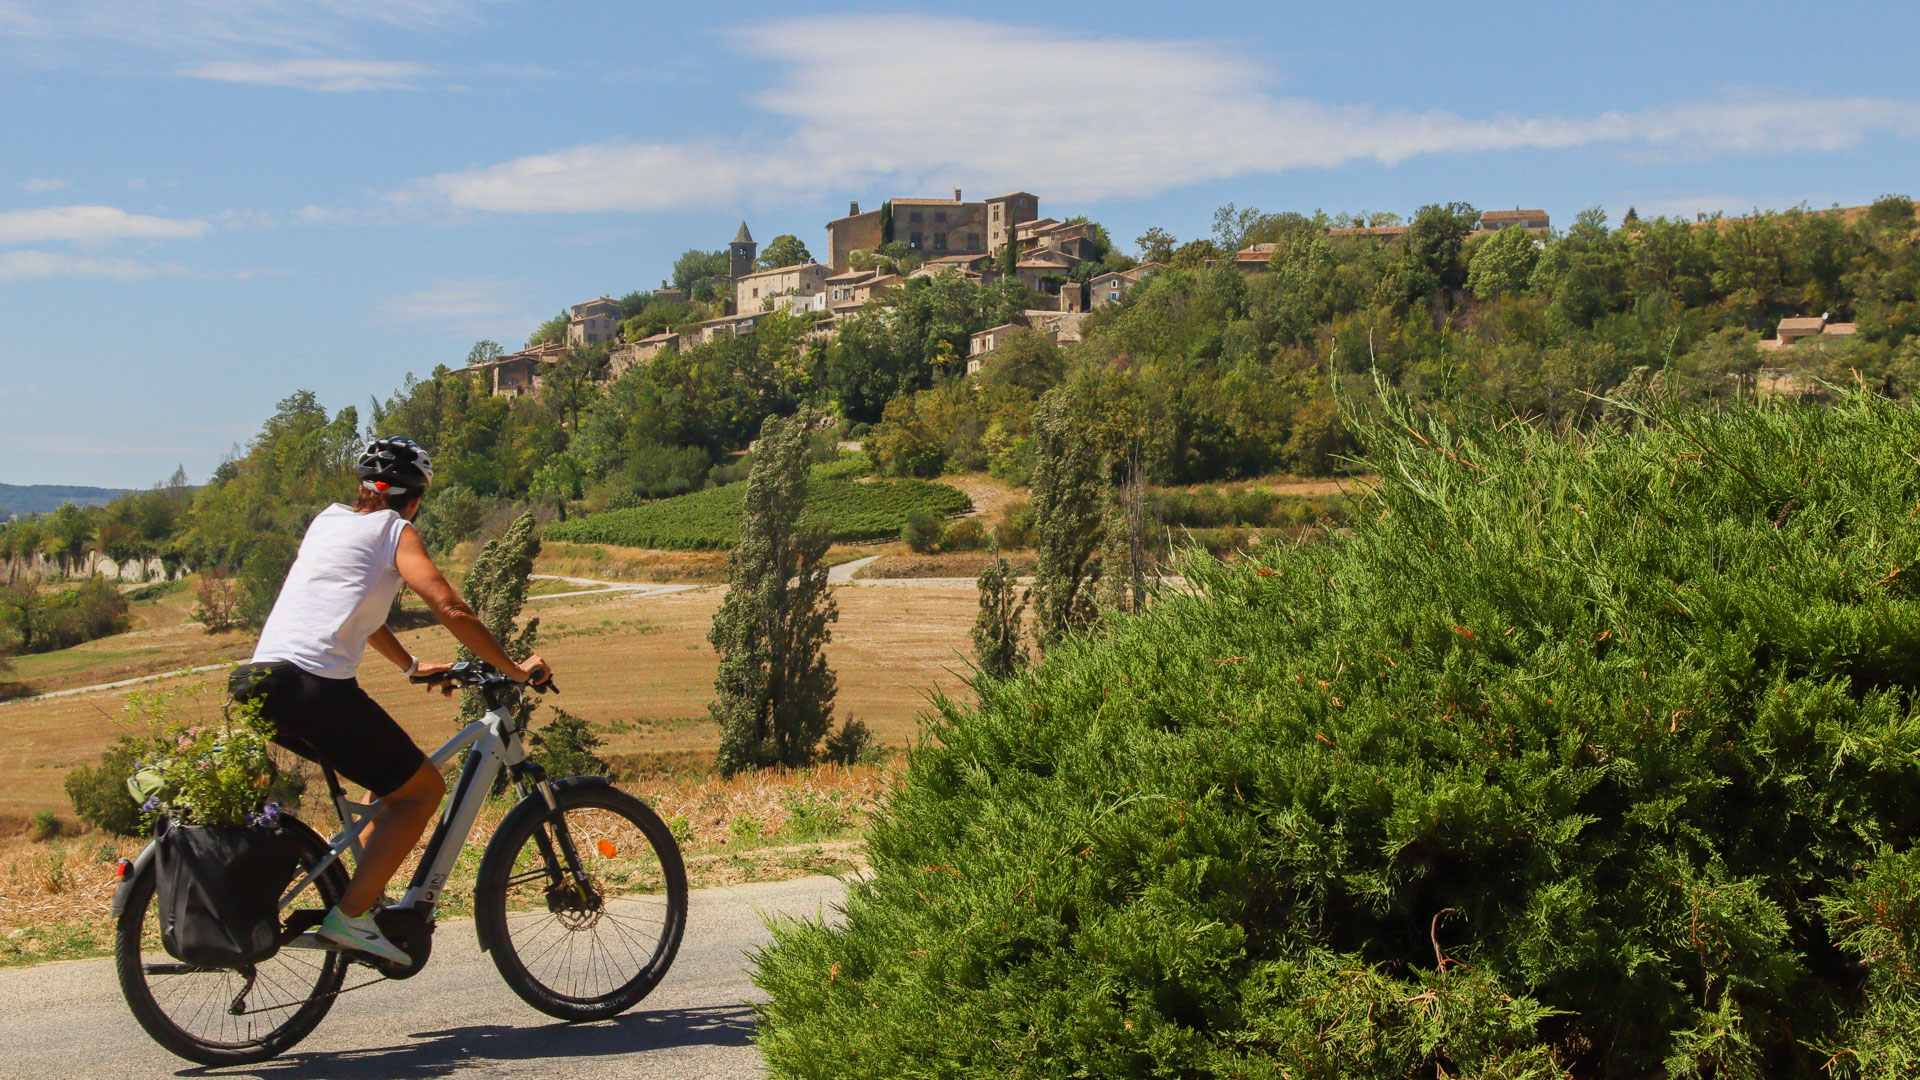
[(411, 930)]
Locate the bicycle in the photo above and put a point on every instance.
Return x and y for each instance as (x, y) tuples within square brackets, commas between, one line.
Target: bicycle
[(576, 854)]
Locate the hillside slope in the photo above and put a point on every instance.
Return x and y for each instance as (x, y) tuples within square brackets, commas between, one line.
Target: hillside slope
[(42, 498)]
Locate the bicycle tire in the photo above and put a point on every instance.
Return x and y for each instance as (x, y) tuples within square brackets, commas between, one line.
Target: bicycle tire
[(597, 814), (132, 965)]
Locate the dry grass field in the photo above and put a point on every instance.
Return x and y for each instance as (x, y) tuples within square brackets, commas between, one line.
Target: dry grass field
[(639, 668)]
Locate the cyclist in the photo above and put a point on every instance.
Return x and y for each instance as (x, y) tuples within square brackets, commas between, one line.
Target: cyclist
[(334, 604)]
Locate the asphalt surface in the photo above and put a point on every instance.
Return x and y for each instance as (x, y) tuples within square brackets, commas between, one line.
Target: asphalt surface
[(455, 1018)]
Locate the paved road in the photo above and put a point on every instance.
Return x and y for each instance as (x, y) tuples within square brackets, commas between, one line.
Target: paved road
[(455, 1018)]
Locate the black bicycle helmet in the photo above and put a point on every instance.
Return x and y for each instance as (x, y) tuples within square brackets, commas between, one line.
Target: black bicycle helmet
[(395, 466)]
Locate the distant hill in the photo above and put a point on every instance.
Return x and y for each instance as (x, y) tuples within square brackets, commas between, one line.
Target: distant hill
[(40, 498)]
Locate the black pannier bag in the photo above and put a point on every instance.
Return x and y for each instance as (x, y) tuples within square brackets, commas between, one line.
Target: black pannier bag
[(219, 889)]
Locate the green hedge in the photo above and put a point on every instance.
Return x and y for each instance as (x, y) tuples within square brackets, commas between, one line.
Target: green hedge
[(1592, 757), (710, 519)]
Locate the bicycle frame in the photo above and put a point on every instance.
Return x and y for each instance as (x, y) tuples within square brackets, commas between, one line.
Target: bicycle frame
[(496, 743)]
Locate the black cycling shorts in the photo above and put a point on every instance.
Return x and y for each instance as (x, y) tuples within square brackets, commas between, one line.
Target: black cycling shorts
[(331, 721)]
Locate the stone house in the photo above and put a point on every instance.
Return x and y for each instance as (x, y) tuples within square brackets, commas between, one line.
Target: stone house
[(640, 353), (670, 293), (1113, 286), (595, 322), (848, 292), (1385, 233), (754, 293), (1077, 240), (981, 344), (1798, 329), (1058, 325), (1255, 258), (1534, 221), (520, 373), (932, 227), (1041, 263), (724, 327), (1004, 215)]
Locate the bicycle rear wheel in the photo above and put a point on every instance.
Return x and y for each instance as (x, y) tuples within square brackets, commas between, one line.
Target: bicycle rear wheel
[(582, 904), (225, 1016)]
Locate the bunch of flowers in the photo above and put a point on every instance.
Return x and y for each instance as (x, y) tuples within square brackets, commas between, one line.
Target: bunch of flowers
[(207, 772)]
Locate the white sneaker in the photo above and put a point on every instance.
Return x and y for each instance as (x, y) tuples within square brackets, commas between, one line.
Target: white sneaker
[(360, 935)]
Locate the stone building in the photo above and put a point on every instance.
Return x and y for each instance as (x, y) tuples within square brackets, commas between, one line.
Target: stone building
[(1113, 286), (754, 293), (1534, 221), (595, 322), (981, 344), (1040, 264), (518, 374), (931, 227), (640, 353), (848, 292), (740, 253), (1385, 233)]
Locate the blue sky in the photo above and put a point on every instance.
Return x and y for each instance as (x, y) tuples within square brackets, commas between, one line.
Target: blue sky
[(208, 204)]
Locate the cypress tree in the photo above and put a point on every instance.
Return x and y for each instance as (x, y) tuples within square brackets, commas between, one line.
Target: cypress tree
[(774, 692), (997, 647), (1123, 546), (496, 589), (1066, 486)]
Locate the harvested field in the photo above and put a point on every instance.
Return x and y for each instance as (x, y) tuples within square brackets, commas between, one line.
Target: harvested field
[(639, 668)]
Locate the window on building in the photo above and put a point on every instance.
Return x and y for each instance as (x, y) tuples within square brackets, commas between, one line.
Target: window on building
[(973, 241), (915, 216), (939, 215), (914, 240), (940, 241)]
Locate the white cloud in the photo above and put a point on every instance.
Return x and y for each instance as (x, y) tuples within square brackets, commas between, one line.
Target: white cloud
[(22, 265), (92, 224), (39, 185), (315, 73), (987, 110), (472, 308), (198, 25)]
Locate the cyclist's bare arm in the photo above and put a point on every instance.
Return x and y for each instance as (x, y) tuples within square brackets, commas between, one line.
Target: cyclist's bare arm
[(431, 586)]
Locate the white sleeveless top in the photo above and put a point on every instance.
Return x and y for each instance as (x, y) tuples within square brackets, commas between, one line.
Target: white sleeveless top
[(338, 593)]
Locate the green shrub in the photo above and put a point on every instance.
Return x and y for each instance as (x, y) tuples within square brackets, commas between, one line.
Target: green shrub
[(813, 815), (44, 826), (921, 531), (967, 534), (852, 743), (1592, 756), (99, 794), (567, 746), (710, 520)]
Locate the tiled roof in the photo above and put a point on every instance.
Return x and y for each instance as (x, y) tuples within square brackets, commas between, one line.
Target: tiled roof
[(1813, 324), (1842, 329), (743, 236), (777, 270), (1512, 215)]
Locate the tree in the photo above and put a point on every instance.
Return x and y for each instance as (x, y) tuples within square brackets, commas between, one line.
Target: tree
[(572, 383), (773, 695), (482, 352), (1502, 264), (696, 268), (783, 250), (1066, 487), (567, 746), (1156, 245), (554, 329), (496, 589), (1123, 545), (997, 647), (1431, 249)]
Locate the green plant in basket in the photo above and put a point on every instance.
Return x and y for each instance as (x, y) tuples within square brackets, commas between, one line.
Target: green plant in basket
[(206, 771)]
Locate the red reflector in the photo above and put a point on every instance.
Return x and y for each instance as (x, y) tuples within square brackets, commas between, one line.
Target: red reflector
[(120, 869), (381, 485)]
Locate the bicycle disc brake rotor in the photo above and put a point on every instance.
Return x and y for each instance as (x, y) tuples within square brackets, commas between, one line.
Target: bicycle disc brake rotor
[(570, 909)]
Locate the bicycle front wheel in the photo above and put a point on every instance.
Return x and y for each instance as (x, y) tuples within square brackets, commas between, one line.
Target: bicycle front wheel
[(227, 1016), (583, 903)]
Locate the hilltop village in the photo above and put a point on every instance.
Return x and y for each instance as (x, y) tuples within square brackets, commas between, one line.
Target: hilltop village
[(1068, 266)]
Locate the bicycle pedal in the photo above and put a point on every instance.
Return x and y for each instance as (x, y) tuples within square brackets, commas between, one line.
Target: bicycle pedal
[(308, 940)]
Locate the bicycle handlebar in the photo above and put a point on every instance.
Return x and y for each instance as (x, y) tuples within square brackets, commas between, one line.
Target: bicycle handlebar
[(481, 673)]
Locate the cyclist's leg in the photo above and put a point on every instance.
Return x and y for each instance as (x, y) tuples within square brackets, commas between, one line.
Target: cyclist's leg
[(348, 730), (409, 809)]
